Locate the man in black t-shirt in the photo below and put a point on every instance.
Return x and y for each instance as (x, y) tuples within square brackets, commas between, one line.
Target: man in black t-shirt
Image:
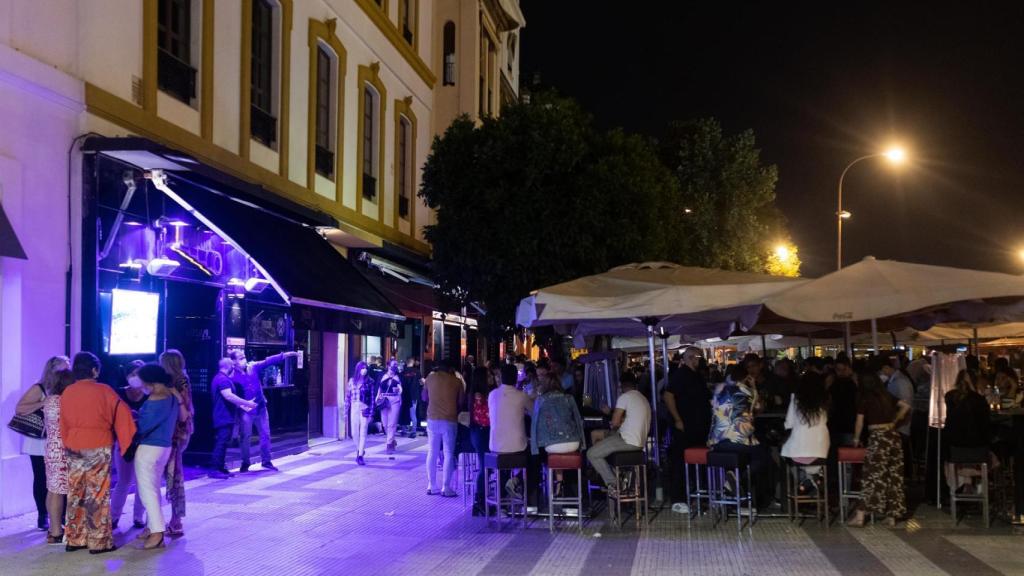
[(688, 401), (411, 384), (225, 409)]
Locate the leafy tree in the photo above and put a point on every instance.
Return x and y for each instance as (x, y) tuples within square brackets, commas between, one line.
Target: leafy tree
[(783, 260), (728, 196), (539, 196)]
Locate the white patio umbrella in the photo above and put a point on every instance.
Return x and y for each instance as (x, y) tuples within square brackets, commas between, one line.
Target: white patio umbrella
[(913, 293), (650, 298)]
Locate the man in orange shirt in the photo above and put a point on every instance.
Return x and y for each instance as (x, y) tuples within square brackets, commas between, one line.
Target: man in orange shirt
[(91, 413)]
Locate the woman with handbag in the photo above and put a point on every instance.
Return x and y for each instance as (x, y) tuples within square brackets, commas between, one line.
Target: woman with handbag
[(389, 398), (31, 405), (55, 458), (158, 418), (174, 363), (133, 396), (359, 400)]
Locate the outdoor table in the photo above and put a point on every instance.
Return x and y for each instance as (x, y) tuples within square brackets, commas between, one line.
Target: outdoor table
[(1017, 417)]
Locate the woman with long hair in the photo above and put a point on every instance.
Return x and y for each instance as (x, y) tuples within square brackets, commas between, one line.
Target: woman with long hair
[(359, 400), (882, 490), (389, 392), (158, 419), (55, 459), (807, 417), (31, 401), (174, 363), (481, 383), (967, 426)]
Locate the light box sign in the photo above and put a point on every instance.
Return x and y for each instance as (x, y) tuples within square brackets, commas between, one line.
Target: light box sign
[(133, 322)]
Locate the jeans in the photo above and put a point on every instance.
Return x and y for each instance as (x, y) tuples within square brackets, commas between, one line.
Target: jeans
[(414, 421), (389, 415), (259, 417), (441, 435), (599, 453), (480, 436), (221, 437), (119, 495), (149, 469), (359, 424)]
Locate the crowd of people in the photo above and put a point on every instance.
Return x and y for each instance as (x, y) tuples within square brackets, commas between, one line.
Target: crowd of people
[(137, 432)]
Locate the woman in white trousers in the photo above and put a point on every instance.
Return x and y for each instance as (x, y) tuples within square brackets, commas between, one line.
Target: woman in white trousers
[(359, 398)]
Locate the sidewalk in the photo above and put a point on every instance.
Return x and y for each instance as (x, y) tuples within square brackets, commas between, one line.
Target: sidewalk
[(322, 514)]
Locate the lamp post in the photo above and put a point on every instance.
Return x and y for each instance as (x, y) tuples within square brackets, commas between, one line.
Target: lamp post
[(895, 156)]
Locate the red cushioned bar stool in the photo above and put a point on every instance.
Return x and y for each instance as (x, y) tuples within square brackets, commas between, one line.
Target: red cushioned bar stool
[(848, 457), (698, 459), (573, 461)]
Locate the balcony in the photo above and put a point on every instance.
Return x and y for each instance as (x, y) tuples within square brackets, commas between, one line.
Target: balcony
[(175, 77), (263, 126), (324, 162), (369, 187)]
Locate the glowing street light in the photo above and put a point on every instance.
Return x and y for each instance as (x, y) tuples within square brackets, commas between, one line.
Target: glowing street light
[(895, 155), (846, 215), (1020, 254), (782, 252)]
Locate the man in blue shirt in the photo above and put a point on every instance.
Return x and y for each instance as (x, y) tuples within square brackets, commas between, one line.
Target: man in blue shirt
[(247, 377), (226, 405)]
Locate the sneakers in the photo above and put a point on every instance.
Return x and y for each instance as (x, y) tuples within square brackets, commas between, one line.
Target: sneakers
[(514, 487), (360, 460), (681, 508), (269, 466), (392, 447), (244, 468), (221, 474)]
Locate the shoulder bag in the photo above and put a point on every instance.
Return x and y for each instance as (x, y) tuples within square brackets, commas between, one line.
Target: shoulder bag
[(30, 425), (129, 453)]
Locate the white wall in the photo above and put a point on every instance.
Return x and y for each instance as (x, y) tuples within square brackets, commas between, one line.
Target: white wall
[(39, 110)]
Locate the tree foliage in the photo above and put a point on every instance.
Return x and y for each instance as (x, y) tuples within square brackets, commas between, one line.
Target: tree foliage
[(728, 196), (783, 260), (539, 196)]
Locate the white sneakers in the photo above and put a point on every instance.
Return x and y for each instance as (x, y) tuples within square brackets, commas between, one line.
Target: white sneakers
[(680, 508)]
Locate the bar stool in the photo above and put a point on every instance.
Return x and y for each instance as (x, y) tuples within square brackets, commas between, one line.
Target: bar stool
[(848, 457), (974, 456), (820, 496), (718, 498), (556, 462), (495, 493), (697, 458), (469, 465), (626, 492)]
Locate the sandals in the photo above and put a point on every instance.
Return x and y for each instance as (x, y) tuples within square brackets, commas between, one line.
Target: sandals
[(158, 544), (55, 540)]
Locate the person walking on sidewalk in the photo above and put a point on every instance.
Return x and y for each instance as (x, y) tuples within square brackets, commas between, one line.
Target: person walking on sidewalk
[(359, 400), (442, 392), (158, 418), (389, 397), (247, 377), (91, 415), (226, 406)]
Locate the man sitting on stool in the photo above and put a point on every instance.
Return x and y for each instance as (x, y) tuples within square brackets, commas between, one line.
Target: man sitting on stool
[(631, 421)]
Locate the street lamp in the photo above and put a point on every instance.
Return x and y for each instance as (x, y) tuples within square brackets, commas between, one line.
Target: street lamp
[(895, 155), (782, 252)]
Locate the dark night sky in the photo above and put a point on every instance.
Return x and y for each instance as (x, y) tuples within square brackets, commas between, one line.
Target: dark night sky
[(820, 86)]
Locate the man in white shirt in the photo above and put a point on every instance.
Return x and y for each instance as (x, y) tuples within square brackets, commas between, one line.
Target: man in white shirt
[(508, 407), (631, 422)]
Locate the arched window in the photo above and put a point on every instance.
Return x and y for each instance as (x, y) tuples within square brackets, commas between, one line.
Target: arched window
[(449, 53)]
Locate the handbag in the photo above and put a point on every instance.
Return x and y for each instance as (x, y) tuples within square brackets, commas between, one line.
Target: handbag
[(30, 425)]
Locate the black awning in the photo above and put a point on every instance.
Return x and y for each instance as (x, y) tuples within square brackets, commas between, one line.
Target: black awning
[(10, 246), (304, 265)]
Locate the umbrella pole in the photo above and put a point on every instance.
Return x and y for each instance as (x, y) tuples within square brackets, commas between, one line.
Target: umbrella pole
[(938, 470), (846, 341), (658, 491), (607, 385), (976, 349), (764, 347), (874, 334), (664, 353)]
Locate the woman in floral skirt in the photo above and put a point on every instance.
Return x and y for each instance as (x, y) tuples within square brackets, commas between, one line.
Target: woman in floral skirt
[(174, 363)]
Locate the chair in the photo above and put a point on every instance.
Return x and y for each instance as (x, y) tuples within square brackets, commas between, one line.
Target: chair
[(469, 465), (698, 459), (848, 457), (719, 498), (555, 462), (974, 457), (495, 493), (632, 489), (820, 496)]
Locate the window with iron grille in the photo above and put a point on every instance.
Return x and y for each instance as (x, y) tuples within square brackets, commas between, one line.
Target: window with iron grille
[(369, 143), (175, 74), (404, 166), (324, 146), (448, 42), (264, 124)]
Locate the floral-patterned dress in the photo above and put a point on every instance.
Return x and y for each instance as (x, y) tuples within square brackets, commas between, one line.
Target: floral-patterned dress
[(732, 415), (175, 471), (55, 458)]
